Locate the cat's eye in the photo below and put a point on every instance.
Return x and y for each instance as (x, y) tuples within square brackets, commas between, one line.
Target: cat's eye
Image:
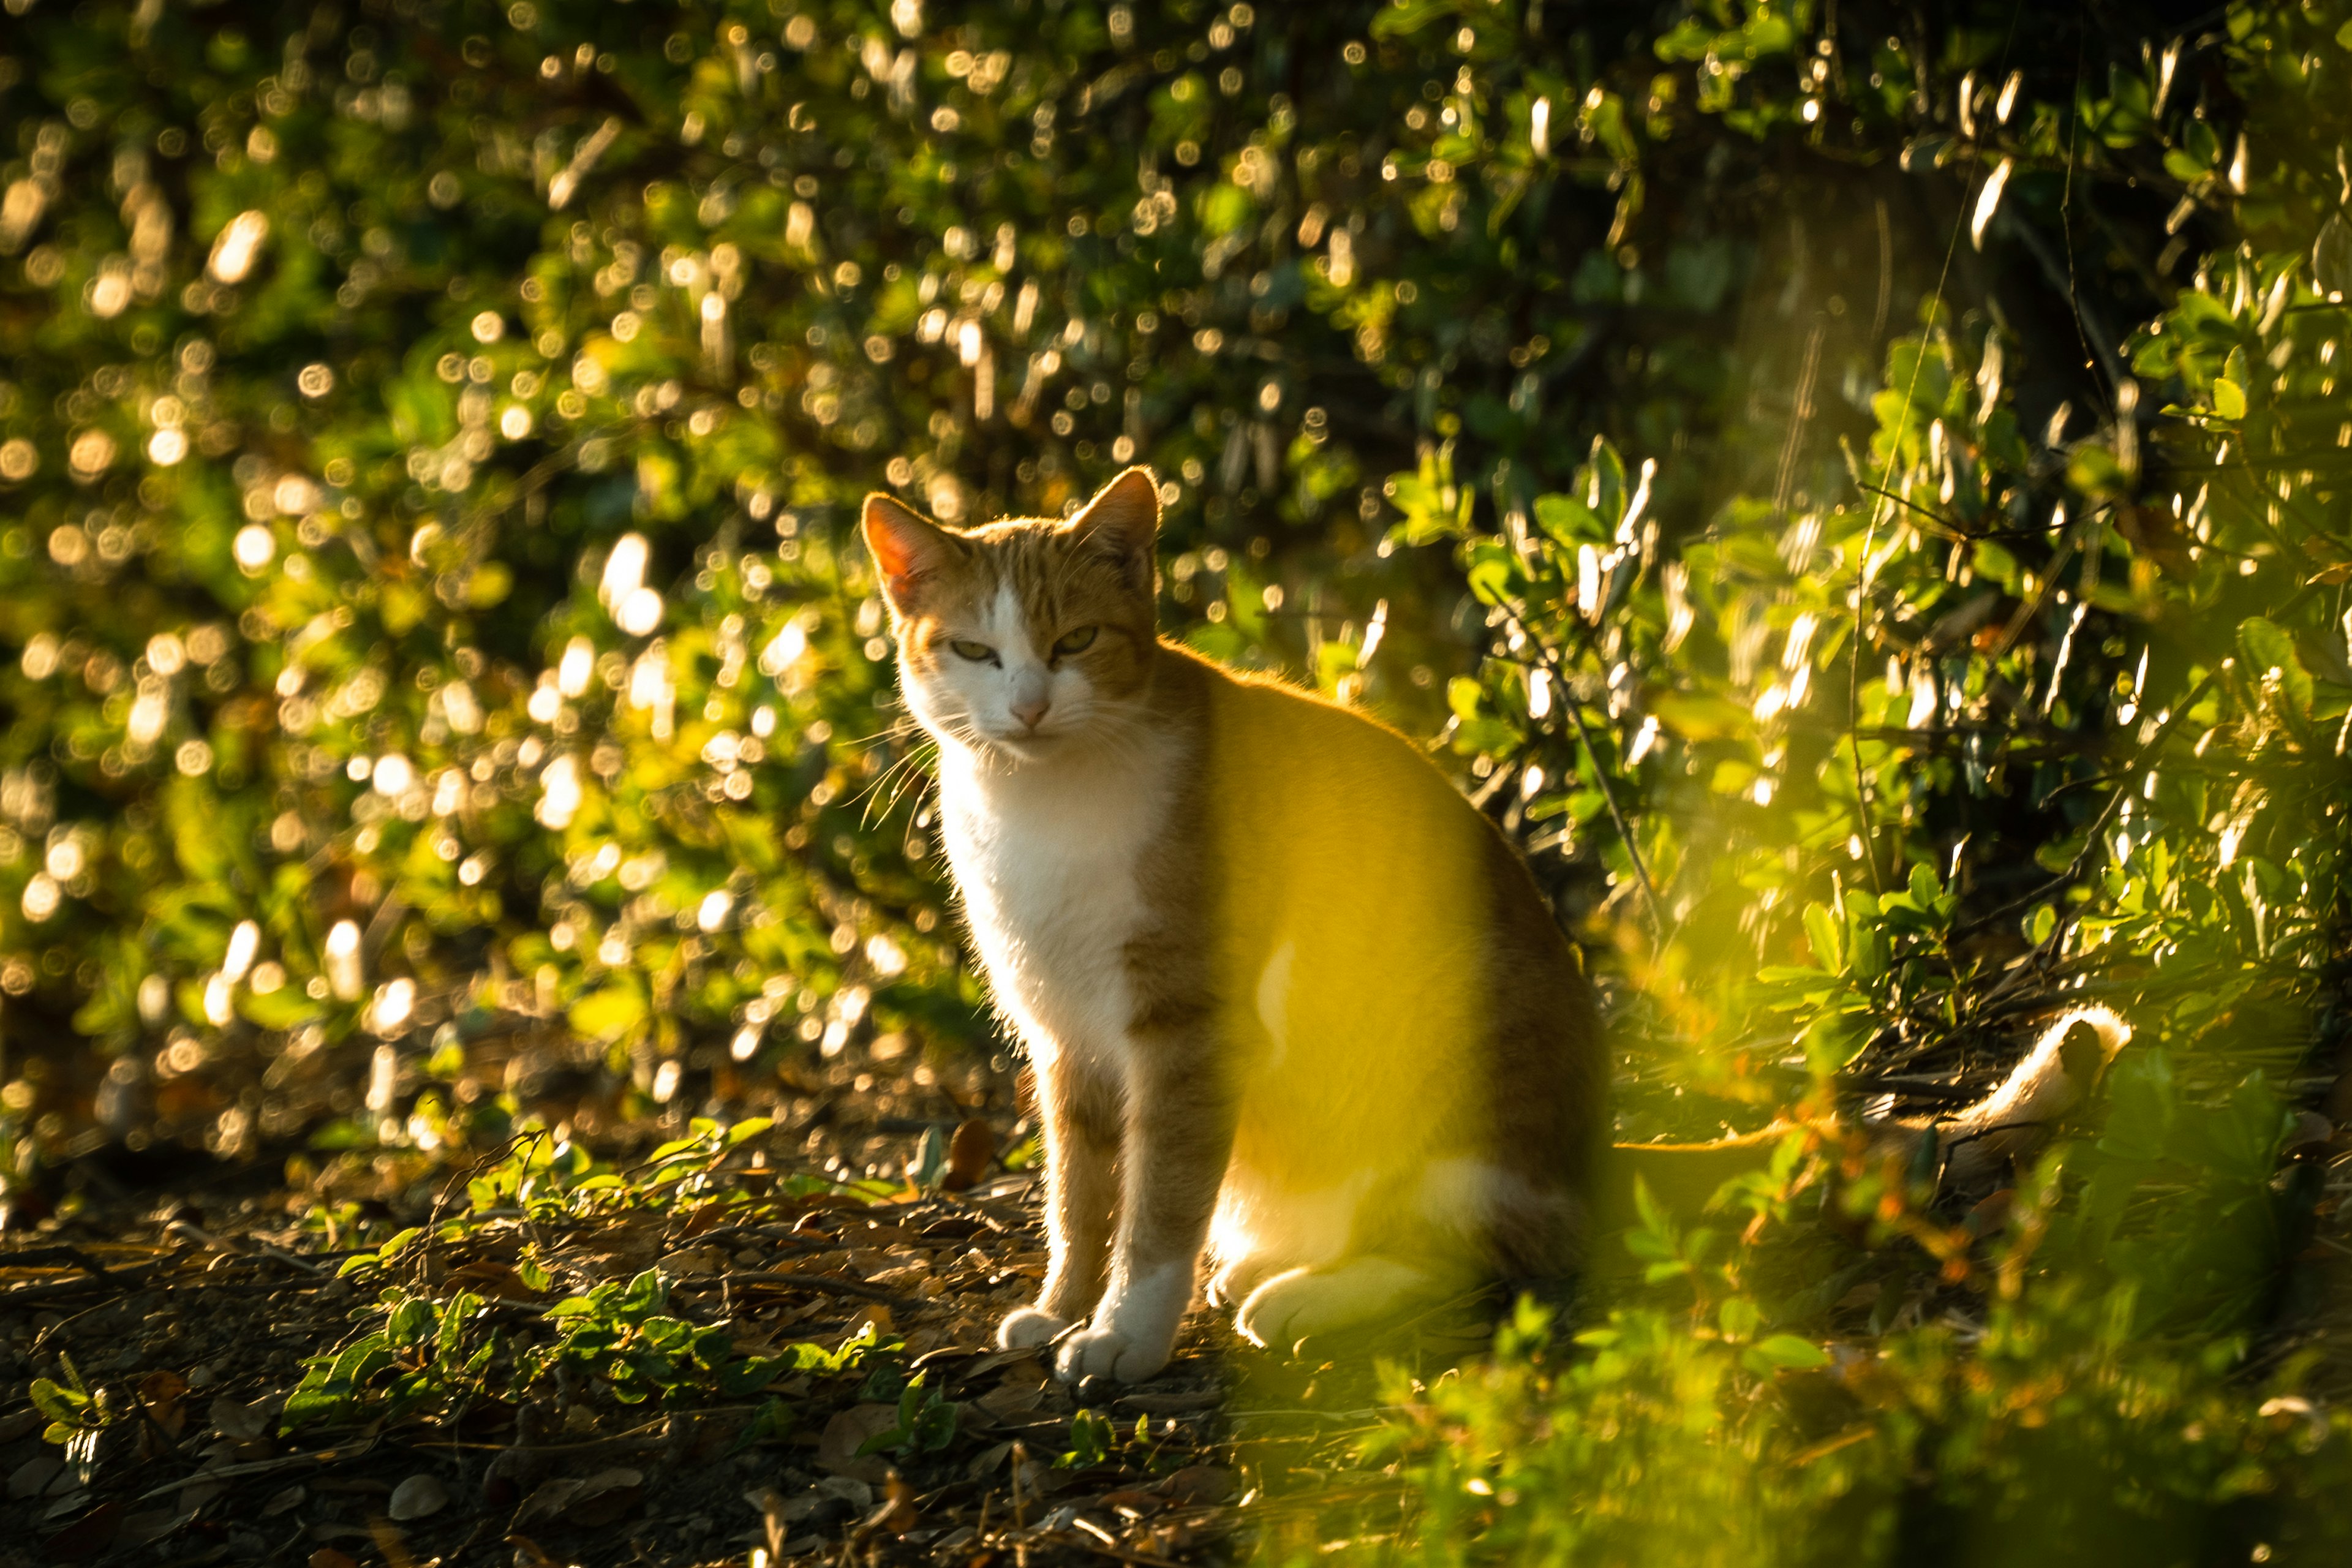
[(1076, 642), (977, 652)]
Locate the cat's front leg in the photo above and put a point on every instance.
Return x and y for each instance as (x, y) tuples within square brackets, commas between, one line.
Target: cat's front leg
[(1080, 1117), (1179, 1137)]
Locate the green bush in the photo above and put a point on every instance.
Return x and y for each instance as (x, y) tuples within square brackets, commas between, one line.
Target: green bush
[(1851, 488)]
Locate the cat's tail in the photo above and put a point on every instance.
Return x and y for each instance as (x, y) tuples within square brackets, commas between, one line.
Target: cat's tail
[(2013, 1120), (1974, 1146)]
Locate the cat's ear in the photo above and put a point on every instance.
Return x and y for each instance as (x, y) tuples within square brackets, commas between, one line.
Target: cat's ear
[(1123, 520), (908, 549)]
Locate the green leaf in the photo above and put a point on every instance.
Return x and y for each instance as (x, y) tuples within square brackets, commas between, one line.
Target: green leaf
[(57, 1401), (412, 1321), (360, 1361), (1786, 1351), (454, 1317), (750, 1375), (2229, 399), (1821, 930), (645, 1296), (307, 1406)]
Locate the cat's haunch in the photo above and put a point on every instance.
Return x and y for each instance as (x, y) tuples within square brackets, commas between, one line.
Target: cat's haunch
[(1291, 1001)]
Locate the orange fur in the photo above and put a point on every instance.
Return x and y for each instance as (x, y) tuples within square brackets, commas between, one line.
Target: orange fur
[(1289, 997)]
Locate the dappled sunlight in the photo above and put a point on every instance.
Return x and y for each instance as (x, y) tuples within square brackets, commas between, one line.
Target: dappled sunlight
[(1861, 510)]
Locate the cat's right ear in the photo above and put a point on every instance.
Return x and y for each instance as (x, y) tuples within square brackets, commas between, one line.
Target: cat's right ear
[(909, 550)]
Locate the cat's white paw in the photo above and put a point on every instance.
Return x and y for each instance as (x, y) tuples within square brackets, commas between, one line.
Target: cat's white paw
[(1027, 1328), (1107, 1353), (1133, 1331), (1304, 1302)]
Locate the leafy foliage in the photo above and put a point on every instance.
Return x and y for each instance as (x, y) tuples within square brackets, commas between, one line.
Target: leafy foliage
[(433, 1354), (1855, 486)]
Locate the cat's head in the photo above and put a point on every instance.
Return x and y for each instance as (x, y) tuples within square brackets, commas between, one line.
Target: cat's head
[(1028, 637)]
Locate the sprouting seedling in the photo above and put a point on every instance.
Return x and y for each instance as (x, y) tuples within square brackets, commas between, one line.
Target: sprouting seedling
[(78, 1414)]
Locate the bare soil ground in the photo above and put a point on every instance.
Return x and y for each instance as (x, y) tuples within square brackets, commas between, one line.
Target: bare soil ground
[(192, 1312)]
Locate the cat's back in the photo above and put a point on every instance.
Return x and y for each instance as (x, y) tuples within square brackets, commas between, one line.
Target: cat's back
[(1349, 883), (1381, 958), (1316, 801)]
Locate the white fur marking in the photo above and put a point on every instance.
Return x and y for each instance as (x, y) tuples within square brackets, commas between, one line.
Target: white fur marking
[(1273, 1000), (1133, 1329)]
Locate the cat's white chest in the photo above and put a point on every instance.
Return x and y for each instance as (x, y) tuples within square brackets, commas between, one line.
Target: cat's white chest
[(1046, 861)]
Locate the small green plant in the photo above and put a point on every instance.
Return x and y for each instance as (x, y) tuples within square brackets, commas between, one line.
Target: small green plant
[(621, 1335), (1094, 1439), (434, 1355), (424, 1345), (79, 1414), (927, 1424)]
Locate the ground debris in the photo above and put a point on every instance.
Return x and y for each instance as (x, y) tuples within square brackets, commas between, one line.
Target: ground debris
[(876, 1410)]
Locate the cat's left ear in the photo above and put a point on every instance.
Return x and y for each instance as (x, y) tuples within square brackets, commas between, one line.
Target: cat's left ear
[(1124, 520)]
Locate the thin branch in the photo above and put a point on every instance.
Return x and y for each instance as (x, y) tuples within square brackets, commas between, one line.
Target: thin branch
[(1569, 704)]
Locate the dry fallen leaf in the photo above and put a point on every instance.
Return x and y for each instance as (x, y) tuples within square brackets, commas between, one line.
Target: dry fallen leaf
[(848, 1431), (236, 1421), (605, 1497), (968, 1152), (328, 1557), (692, 1262), (420, 1496), (546, 1503), (596, 1500), (160, 1392), (285, 1500), (199, 1490), (1197, 1485), (32, 1478), (491, 1278), (1010, 1403), (145, 1528)]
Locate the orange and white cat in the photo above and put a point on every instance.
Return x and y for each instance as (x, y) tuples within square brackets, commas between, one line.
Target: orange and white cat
[(1290, 1000), (1293, 1004)]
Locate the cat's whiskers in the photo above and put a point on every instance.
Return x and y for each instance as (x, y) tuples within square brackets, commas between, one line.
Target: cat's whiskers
[(872, 793), (914, 773), (903, 730), (900, 730)]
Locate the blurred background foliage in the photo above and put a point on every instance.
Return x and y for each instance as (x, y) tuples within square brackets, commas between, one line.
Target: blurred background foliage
[(1857, 490)]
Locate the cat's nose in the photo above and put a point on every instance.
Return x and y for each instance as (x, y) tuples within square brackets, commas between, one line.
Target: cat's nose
[(1030, 713)]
